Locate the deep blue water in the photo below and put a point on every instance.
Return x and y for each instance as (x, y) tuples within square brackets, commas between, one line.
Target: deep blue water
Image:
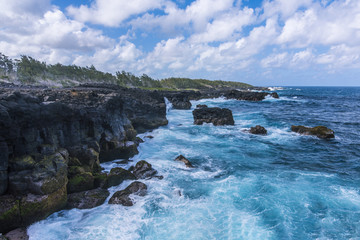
[(279, 186)]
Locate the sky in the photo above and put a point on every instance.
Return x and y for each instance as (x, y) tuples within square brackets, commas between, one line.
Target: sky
[(260, 42)]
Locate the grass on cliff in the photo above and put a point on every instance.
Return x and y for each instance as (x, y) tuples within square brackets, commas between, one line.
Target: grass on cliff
[(30, 71)]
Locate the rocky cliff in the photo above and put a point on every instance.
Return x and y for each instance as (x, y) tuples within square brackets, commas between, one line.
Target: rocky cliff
[(53, 140)]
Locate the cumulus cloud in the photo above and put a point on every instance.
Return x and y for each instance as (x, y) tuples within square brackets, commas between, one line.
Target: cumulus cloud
[(193, 18), (336, 23), (205, 38), (225, 26), (112, 12)]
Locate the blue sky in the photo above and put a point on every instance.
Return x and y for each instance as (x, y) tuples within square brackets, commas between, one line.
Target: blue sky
[(270, 42)]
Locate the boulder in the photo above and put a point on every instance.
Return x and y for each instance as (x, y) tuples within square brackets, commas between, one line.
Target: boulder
[(87, 199), (216, 116), (274, 95), (123, 197), (118, 175), (259, 130), (183, 159), (17, 234), (143, 170), (319, 131)]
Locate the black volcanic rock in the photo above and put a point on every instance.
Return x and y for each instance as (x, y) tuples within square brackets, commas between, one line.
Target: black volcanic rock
[(183, 159), (143, 170), (87, 199), (201, 106), (319, 131), (118, 175), (248, 96), (259, 130), (274, 95), (216, 116), (52, 142), (123, 197)]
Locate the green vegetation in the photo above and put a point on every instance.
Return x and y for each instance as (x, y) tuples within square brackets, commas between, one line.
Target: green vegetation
[(28, 70)]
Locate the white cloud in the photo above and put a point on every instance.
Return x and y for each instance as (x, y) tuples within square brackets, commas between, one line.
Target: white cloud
[(112, 12), (28, 7), (205, 38), (285, 8), (225, 26), (336, 23), (341, 56), (49, 33), (276, 60), (193, 18)]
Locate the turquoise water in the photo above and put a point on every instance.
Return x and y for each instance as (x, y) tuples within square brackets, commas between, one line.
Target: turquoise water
[(279, 186)]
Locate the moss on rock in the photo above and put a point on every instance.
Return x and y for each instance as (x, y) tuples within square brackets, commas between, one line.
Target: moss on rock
[(81, 182)]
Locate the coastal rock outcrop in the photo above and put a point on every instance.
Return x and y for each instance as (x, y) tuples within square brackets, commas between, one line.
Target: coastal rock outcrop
[(123, 197), (53, 140), (216, 116), (319, 131), (183, 159), (143, 170), (258, 130), (245, 95)]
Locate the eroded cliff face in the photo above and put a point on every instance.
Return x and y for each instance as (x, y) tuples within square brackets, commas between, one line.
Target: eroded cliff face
[(53, 140)]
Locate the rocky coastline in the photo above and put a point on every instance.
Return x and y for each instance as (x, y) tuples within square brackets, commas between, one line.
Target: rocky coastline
[(52, 142)]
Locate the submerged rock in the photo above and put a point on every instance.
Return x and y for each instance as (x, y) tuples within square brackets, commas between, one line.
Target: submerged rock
[(123, 197), (319, 131), (216, 116), (87, 199), (183, 159), (143, 170), (259, 130)]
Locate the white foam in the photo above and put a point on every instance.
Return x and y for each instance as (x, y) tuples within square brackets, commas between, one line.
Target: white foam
[(276, 88), (168, 104)]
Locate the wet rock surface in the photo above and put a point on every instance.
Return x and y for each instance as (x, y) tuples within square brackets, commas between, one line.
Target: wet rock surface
[(87, 199), (123, 197), (258, 130), (17, 234), (216, 116), (143, 170), (118, 175), (183, 159), (319, 131)]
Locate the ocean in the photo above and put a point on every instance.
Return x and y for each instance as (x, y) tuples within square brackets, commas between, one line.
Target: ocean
[(279, 186)]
